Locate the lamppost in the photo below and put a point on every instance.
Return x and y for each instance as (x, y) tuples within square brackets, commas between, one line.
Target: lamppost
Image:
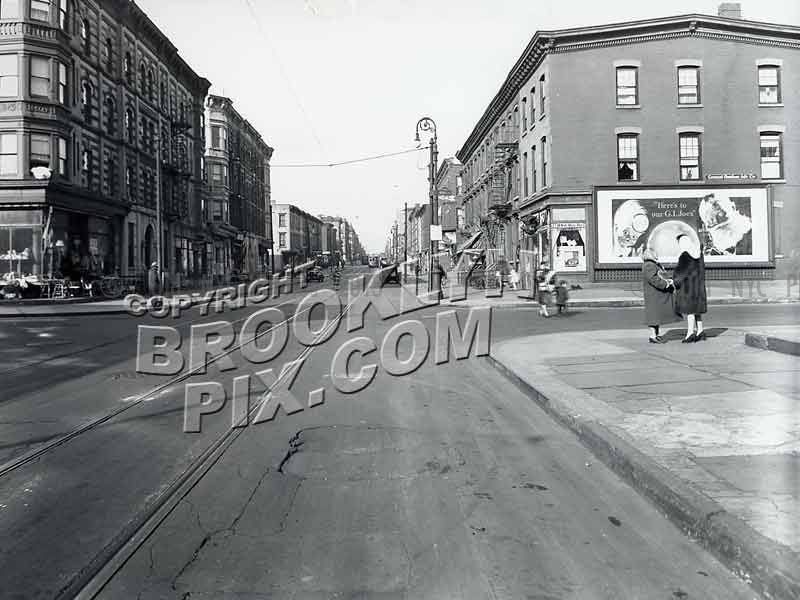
[(427, 124)]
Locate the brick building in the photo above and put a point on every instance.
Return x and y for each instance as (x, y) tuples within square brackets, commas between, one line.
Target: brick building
[(237, 206), (297, 235), (626, 135), (90, 93)]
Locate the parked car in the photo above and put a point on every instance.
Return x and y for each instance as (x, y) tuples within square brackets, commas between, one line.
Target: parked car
[(316, 274)]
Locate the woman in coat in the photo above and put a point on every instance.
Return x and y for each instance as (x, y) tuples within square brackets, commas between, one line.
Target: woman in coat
[(658, 307), (690, 288)]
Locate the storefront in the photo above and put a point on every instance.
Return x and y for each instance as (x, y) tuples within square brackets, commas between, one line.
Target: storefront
[(21, 243)]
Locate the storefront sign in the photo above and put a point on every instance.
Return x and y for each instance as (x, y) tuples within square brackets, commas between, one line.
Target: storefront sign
[(722, 176), (731, 223), (569, 247)]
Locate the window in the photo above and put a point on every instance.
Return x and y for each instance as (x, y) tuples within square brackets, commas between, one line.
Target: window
[(771, 160), (627, 86), (541, 96), (62, 83), (533, 109), (9, 9), (769, 84), (525, 174), (86, 161), (8, 154), (628, 157), (9, 75), (282, 220), (688, 85), (85, 35), (40, 76), (63, 163), (164, 99), (533, 165), (543, 146), (282, 239), (689, 150), (40, 151), (151, 86), (62, 14), (130, 125), (40, 10), (108, 54), (86, 100), (525, 114), (127, 67), (111, 115), (219, 137), (142, 78)]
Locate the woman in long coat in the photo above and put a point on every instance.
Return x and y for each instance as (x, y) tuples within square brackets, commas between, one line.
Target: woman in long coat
[(690, 288), (658, 306)]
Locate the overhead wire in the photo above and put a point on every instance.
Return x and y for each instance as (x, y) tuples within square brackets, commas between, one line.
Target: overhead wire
[(350, 162)]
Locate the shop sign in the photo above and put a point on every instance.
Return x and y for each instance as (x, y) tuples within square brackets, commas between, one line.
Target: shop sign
[(731, 223), (723, 176), (569, 247)]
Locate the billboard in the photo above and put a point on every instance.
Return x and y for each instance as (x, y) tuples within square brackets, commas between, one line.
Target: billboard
[(732, 224)]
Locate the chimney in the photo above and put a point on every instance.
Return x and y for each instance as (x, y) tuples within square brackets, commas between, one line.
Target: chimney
[(730, 10)]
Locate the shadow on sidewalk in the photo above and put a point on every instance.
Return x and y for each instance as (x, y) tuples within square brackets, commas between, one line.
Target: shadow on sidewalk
[(678, 334)]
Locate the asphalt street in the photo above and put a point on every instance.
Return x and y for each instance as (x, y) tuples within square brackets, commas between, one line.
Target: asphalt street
[(444, 483)]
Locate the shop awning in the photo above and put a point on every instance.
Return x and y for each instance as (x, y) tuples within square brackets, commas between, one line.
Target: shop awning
[(470, 242)]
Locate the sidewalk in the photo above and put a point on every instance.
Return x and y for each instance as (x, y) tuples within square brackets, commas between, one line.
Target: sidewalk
[(710, 432), (625, 294)]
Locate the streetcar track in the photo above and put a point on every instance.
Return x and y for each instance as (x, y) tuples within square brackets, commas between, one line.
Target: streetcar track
[(93, 578), (35, 453)]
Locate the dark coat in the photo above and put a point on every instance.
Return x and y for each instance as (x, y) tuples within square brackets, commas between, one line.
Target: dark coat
[(690, 284), (658, 307)]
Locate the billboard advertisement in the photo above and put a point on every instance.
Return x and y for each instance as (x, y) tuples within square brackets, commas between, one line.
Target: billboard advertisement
[(732, 224)]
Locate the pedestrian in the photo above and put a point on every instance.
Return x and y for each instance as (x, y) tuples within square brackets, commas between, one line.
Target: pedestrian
[(545, 279), (658, 302), (562, 295), (513, 279), (690, 288)]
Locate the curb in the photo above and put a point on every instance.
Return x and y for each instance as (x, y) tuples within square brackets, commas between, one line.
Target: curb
[(767, 566), (625, 303), (768, 342)]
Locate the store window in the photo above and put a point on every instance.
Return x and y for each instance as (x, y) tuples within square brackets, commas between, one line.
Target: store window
[(689, 85), (40, 10), (689, 156), (771, 159), (8, 154), (628, 157), (9, 75), (769, 84), (40, 76), (627, 86), (40, 151), (9, 9), (20, 242)]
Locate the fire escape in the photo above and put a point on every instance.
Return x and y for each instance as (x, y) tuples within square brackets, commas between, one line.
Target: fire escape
[(502, 176), (176, 168)]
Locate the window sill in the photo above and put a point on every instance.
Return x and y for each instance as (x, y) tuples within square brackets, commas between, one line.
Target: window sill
[(690, 106), (771, 105), (629, 181), (773, 181), (629, 106)]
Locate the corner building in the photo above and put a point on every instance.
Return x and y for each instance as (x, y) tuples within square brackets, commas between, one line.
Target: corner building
[(627, 135), (98, 116)]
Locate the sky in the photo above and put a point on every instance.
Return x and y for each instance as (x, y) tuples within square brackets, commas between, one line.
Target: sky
[(327, 81)]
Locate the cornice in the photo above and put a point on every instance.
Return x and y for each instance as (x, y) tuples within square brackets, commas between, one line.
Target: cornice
[(618, 34)]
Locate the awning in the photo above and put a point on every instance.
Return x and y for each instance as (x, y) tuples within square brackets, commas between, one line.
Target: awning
[(470, 242)]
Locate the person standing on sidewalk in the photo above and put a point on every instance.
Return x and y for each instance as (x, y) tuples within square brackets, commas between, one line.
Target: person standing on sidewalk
[(690, 288), (658, 303)]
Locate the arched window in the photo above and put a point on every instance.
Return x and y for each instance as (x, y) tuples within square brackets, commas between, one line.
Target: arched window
[(151, 86), (130, 125), (142, 78), (108, 54), (111, 114), (86, 99), (128, 67), (85, 34)]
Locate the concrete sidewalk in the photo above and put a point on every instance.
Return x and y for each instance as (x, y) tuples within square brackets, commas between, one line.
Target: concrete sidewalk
[(710, 432), (626, 294)]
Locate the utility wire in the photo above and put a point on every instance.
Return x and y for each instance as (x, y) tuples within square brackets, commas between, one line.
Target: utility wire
[(350, 162), (285, 76)]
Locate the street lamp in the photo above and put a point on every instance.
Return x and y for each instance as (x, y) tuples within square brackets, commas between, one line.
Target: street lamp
[(427, 124)]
